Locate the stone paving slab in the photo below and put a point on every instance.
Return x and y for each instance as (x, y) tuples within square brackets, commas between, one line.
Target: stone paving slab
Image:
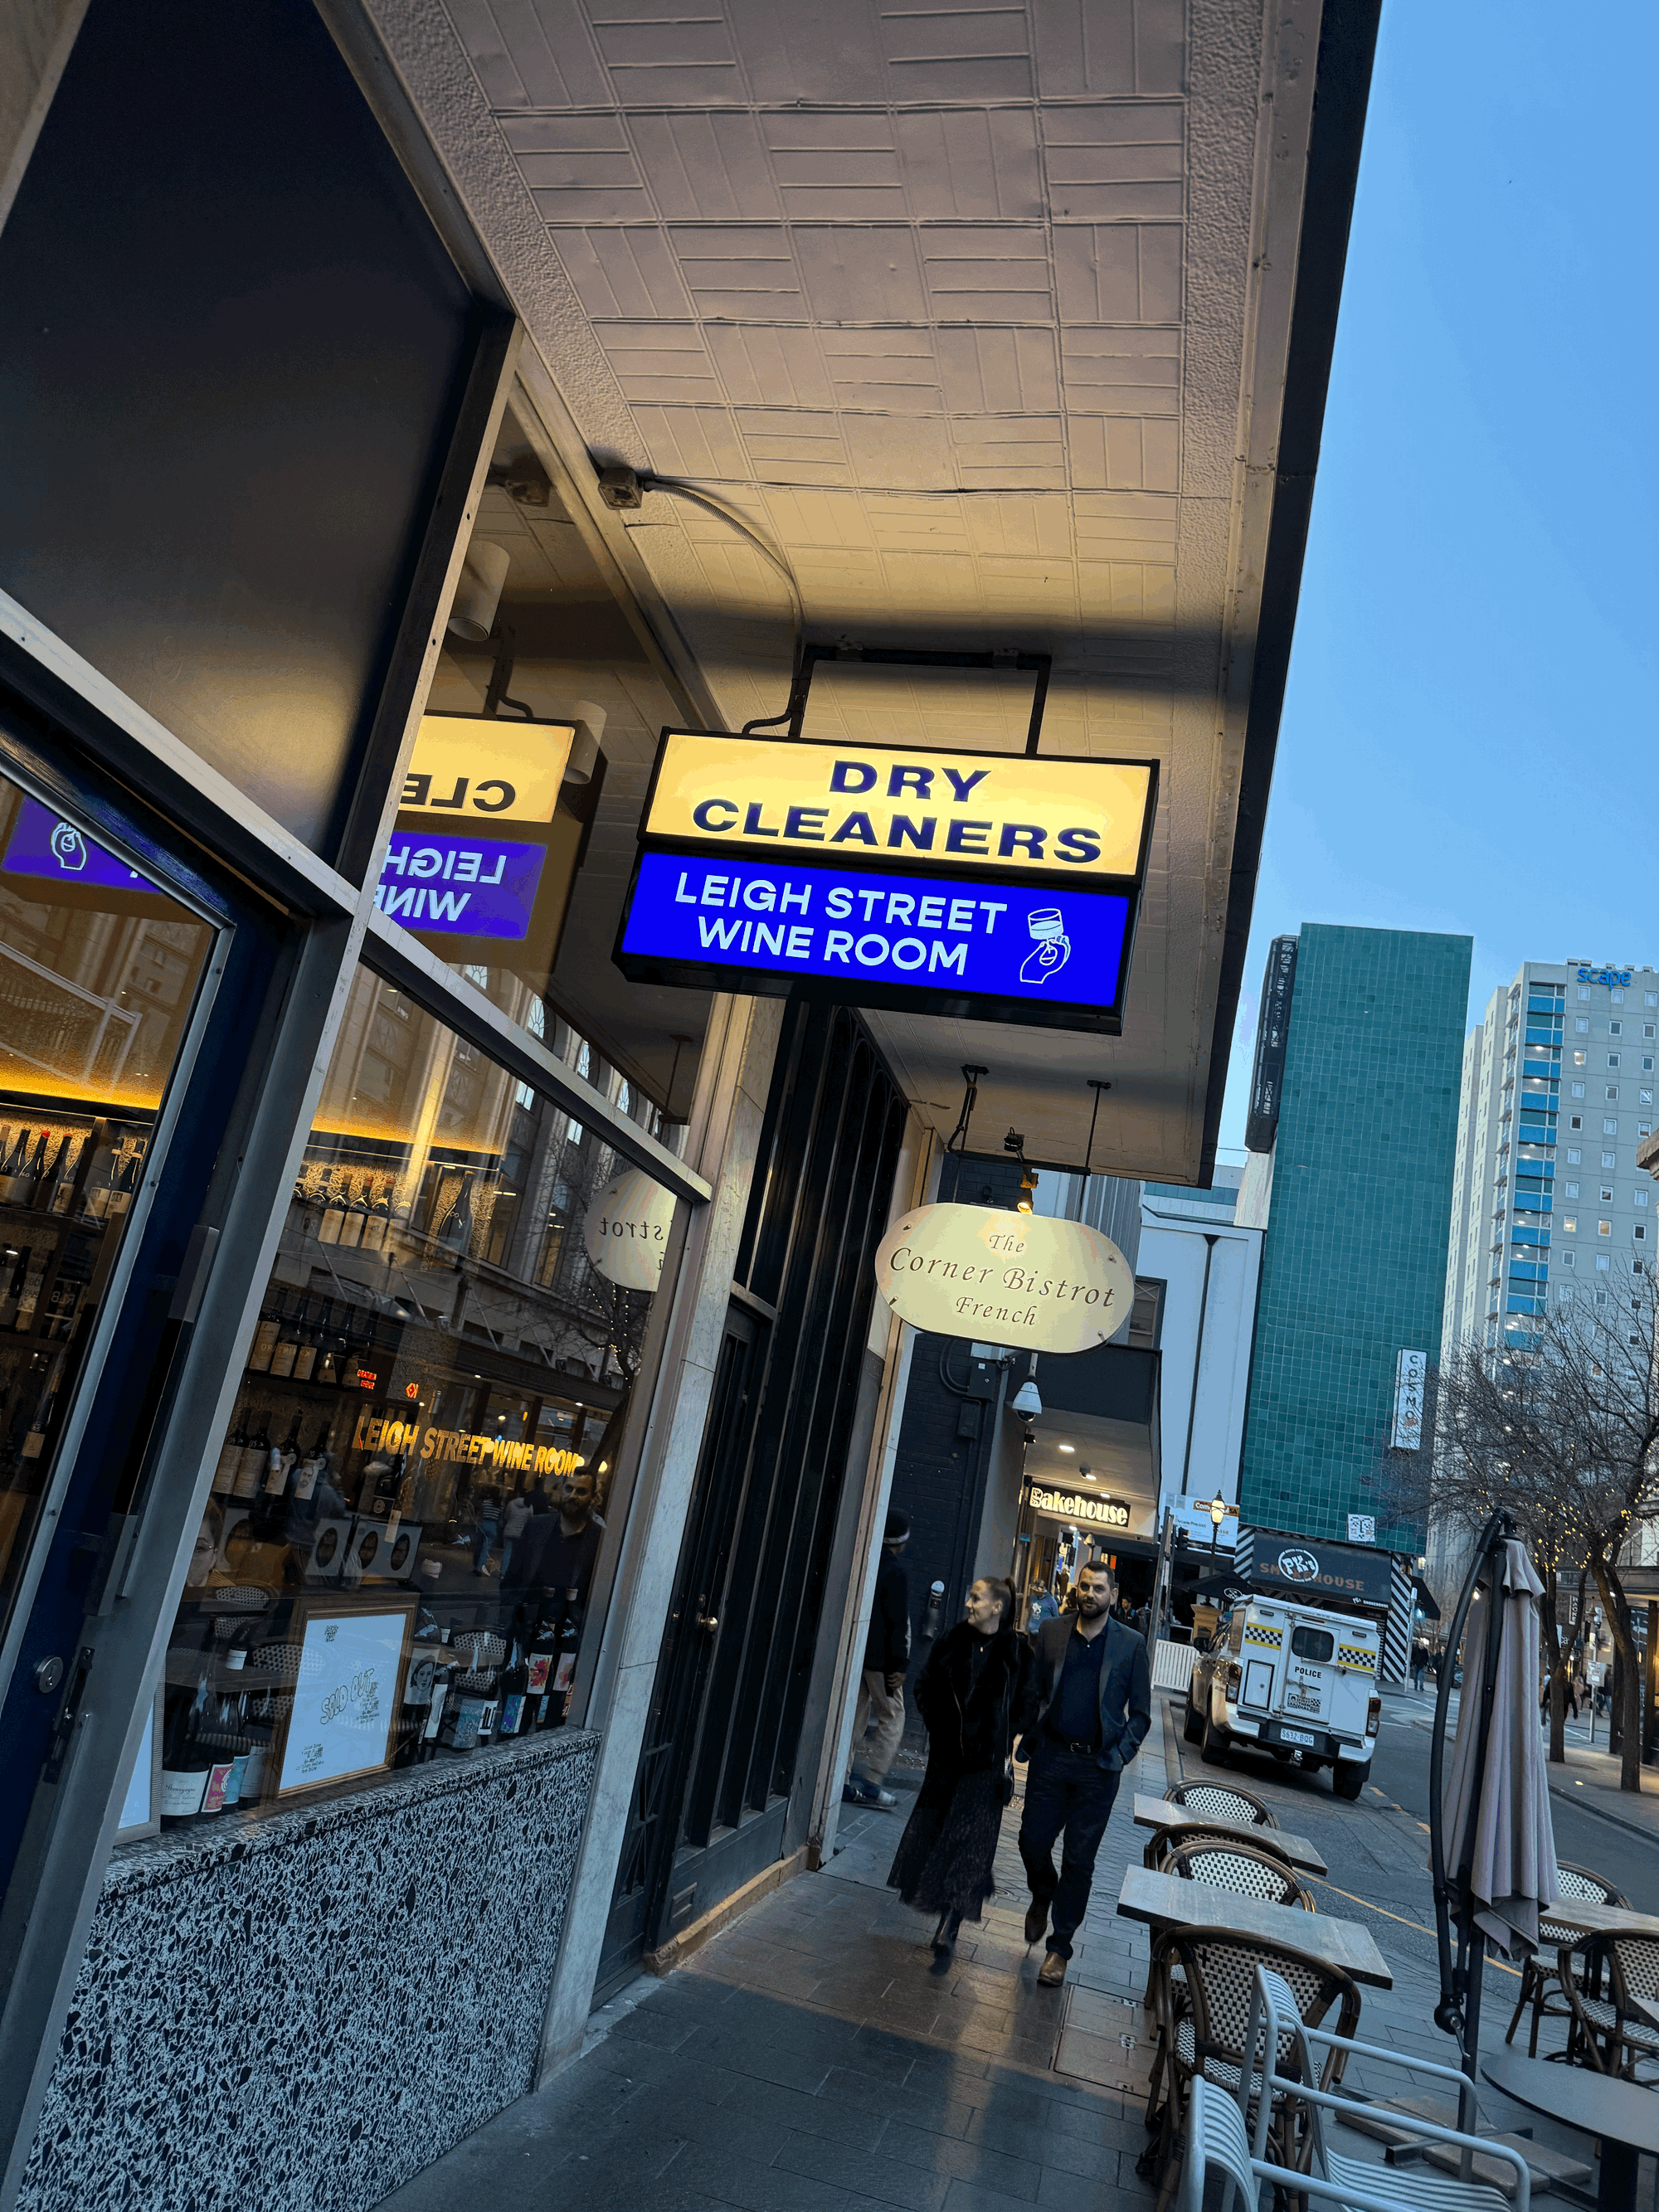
[(807, 2059)]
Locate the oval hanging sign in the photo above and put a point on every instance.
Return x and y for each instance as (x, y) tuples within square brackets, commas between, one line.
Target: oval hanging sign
[(1014, 1279), (627, 1229)]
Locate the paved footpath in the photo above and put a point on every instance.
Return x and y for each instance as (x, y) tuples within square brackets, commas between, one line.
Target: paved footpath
[(806, 2060)]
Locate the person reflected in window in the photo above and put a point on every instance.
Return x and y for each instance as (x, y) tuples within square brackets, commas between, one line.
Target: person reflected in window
[(488, 1528), (557, 1551), (515, 1519)]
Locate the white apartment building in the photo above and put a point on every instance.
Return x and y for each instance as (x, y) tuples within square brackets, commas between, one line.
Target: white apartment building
[(1548, 1204)]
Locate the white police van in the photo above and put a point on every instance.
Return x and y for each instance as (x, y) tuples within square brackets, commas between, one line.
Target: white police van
[(1295, 1679)]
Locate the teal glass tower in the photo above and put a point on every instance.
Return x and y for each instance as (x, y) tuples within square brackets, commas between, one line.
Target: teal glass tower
[(1354, 1266)]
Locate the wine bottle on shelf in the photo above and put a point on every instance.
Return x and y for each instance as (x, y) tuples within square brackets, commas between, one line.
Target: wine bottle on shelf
[(286, 1350), (256, 1454), (305, 1353), (61, 1196), (515, 1685), (230, 1458), (38, 1164), (13, 1292), (283, 1459), (351, 1222), (124, 1186), (334, 1208), (186, 1762), (378, 1227), (219, 1737), (17, 1185), (264, 1337), (310, 1466), (28, 1296)]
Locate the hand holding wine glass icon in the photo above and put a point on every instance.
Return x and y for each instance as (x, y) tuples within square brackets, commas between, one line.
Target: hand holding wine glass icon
[(1052, 949)]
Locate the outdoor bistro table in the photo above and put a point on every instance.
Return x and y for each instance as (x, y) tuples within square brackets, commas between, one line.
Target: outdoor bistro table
[(1164, 1900), (1623, 2114), (1573, 1914), (1158, 1813)]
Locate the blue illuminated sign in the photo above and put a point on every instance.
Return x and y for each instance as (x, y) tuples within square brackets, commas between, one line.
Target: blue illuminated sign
[(42, 844), (1618, 975), (459, 886), (877, 937)]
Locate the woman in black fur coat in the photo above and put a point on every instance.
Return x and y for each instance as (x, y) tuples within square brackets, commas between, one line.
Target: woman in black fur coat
[(976, 1693)]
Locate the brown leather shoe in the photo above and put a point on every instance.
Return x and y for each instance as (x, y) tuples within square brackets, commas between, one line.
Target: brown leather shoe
[(1037, 1921), (1052, 1971)]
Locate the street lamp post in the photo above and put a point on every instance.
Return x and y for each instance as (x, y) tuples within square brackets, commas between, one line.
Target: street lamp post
[(1217, 1515)]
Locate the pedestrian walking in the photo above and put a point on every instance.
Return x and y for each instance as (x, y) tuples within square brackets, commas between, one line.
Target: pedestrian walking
[(489, 1525), (1094, 1699), (975, 1695), (1419, 1663), (516, 1516), (881, 1688)]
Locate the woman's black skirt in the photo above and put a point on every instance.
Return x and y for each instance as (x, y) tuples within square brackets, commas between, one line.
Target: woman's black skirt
[(945, 1858)]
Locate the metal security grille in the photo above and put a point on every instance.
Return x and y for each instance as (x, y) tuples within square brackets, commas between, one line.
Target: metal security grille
[(721, 1770)]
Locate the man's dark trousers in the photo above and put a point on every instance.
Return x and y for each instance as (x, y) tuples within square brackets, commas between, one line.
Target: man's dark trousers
[(1064, 1790)]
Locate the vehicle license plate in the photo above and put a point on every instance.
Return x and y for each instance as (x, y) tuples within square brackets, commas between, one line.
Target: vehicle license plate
[(1296, 1736)]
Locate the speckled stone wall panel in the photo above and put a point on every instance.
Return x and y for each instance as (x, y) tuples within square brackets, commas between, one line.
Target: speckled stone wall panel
[(304, 2011)]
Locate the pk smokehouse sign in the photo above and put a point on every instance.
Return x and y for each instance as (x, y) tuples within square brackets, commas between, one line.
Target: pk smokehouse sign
[(992, 886)]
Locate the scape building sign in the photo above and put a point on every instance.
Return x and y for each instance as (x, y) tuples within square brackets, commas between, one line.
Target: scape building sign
[(985, 886)]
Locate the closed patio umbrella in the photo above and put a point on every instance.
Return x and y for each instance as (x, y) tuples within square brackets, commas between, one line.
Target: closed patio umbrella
[(1499, 1840), (1491, 1840)]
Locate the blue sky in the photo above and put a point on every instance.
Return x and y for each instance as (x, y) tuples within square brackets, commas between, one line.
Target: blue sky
[(1468, 741)]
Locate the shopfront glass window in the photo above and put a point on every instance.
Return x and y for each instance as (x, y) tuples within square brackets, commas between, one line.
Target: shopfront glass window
[(99, 974), (398, 1557)]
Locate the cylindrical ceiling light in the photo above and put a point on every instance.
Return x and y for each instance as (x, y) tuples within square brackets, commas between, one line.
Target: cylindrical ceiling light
[(484, 576), (585, 746)]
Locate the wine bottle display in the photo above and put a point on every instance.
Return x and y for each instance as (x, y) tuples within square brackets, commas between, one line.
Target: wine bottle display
[(230, 1460), (286, 1350), (378, 1227), (186, 1763), (255, 1455), (328, 1229), (264, 1341)]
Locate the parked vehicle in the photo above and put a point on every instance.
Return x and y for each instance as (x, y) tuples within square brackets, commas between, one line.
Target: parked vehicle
[(1292, 1679)]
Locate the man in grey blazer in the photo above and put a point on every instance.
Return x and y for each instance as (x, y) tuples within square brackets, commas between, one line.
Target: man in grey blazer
[(1095, 1707)]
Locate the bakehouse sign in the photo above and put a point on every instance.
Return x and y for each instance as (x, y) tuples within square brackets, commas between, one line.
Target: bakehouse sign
[(1077, 1506), (986, 885)]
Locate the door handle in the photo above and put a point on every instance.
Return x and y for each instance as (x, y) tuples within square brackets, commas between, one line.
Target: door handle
[(708, 1622)]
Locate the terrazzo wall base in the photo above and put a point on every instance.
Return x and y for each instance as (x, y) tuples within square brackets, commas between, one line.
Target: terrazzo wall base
[(300, 2014)]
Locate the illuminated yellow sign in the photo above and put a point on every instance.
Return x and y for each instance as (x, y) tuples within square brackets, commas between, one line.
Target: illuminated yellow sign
[(475, 764), (1078, 819)]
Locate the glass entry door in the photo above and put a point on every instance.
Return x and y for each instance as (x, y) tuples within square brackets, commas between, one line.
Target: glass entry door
[(100, 973)]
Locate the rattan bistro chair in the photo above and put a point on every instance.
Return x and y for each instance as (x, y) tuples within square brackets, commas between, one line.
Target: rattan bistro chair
[(1230, 1864), (1163, 1843), (1240, 1868), (1204, 1979), (1216, 1801), (1541, 1978), (1606, 2032)]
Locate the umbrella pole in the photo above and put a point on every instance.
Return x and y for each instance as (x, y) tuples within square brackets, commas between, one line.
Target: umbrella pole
[(1458, 2013)]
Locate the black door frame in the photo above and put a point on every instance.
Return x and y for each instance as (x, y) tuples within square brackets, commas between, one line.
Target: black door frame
[(719, 1774)]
